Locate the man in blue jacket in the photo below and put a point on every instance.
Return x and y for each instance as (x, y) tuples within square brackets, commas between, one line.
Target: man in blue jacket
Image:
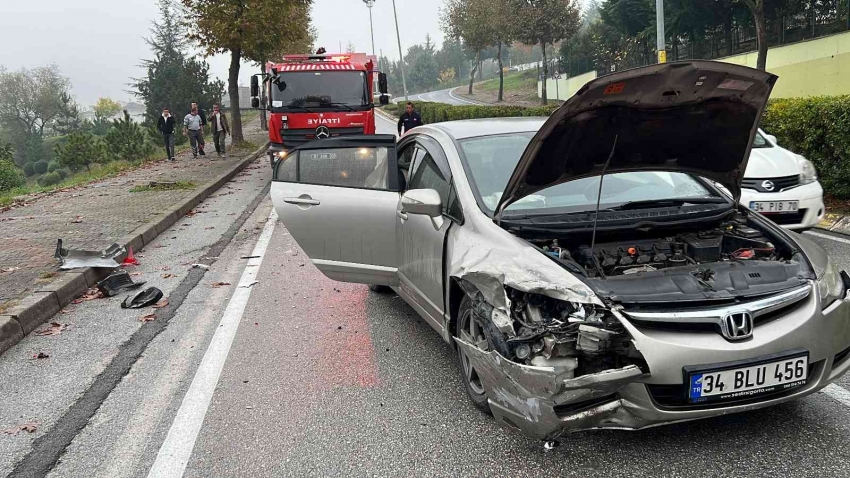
[(409, 119)]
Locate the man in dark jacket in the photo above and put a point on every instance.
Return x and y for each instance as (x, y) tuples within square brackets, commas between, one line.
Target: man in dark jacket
[(220, 129), (409, 119), (165, 125)]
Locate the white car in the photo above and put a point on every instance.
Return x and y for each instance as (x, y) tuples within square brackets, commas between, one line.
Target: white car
[(782, 185)]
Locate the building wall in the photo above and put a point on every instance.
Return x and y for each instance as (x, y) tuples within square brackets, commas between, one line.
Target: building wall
[(563, 88), (809, 68)]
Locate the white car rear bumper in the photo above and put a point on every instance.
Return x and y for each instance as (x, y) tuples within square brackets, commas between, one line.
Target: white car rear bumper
[(811, 209)]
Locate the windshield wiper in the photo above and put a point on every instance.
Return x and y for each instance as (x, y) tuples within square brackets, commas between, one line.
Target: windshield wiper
[(666, 203)]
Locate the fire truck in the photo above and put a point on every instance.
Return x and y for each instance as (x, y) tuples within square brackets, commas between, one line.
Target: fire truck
[(318, 96)]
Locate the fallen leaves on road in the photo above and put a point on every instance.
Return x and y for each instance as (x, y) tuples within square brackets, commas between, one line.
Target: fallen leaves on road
[(208, 228), (90, 294), (247, 286), (77, 220), (201, 266), (167, 276), (41, 355), (220, 284), (30, 427), (55, 328), (147, 318), (160, 304), (9, 269), (166, 268)]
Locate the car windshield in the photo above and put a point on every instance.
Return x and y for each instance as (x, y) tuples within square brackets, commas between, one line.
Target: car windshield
[(490, 161), (315, 89), (760, 142)]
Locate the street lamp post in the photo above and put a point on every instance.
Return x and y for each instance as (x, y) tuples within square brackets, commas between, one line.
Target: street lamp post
[(400, 54), (660, 43), (369, 4)]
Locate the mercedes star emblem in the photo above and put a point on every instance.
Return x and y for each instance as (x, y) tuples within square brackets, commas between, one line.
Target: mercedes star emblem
[(323, 132)]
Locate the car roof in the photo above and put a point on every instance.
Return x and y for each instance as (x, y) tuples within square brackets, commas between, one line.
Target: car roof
[(463, 129)]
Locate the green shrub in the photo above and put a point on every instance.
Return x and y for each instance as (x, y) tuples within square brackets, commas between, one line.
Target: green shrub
[(40, 166), (11, 176), (438, 112), (63, 173), (818, 128), (81, 150), (126, 140), (50, 179), (53, 166), (29, 169)]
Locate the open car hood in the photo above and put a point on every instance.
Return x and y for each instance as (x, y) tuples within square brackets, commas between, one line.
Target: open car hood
[(697, 117)]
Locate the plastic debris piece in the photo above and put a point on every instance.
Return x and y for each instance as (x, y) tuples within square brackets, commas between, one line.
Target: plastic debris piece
[(147, 318), (74, 258), (201, 266), (41, 355), (144, 298), (55, 328), (117, 282)]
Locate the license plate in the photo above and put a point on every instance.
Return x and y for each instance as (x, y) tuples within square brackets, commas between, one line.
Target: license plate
[(742, 380), (322, 156), (774, 206)]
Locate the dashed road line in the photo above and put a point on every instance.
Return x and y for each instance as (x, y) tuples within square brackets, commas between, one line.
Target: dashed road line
[(828, 236), (177, 448)]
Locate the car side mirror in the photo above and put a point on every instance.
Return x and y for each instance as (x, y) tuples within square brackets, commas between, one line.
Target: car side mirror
[(255, 102), (771, 138), (422, 201), (384, 100), (255, 86), (382, 83)]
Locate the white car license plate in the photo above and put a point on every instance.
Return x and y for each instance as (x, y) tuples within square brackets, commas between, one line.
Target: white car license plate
[(744, 380), (774, 206)]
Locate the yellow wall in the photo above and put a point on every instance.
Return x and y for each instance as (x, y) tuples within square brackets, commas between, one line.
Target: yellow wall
[(565, 87), (810, 68)]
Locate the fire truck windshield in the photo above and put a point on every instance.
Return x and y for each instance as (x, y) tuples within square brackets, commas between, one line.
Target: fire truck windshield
[(320, 89)]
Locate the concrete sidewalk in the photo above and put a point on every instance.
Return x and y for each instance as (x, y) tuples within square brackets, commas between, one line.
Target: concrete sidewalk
[(96, 215)]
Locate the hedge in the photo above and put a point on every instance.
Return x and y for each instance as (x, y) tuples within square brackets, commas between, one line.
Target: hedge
[(817, 128), (11, 176)]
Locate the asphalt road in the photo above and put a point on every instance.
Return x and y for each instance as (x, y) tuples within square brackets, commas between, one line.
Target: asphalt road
[(261, 366), (449, 96)]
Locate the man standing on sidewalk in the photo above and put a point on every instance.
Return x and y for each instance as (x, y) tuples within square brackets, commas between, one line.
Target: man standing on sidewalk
[(165, 125), (193, 128), (409, 119), (220, 129)]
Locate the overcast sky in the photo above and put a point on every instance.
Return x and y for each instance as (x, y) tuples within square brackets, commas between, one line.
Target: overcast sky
[(98, 43)]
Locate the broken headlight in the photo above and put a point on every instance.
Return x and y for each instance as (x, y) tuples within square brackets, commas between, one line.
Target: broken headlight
[(830, 286)]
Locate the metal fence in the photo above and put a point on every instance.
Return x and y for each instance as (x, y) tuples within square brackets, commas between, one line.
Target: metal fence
[(817, 18)]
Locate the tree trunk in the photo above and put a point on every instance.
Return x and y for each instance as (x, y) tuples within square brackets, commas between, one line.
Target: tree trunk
[(501, 73), (543, 99), (264, 122), (757, 9), (233, 92), (472, 71)]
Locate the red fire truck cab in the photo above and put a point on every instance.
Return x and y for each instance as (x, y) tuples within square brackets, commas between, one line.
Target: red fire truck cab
[(317, 96)]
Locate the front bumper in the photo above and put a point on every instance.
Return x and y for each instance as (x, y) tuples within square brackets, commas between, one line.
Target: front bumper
[(544, 405), (810, 197)]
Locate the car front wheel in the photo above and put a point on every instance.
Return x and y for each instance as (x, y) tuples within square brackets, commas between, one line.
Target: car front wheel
[(470, 331)]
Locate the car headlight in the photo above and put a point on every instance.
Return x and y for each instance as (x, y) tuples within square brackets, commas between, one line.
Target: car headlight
[(808, 173), (830, 286)]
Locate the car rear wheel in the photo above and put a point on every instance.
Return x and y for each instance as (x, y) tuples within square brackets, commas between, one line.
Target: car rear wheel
[(380, 289), (470, 331)]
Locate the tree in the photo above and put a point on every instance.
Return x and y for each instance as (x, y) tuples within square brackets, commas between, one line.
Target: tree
[(468, 20), (106, 108), (422, 66), (81, 150), (504, 27), (126, 140), (452, 56), (236, 27), (31, 100), (757, 9), (69, 118), (546, 22), (173, 80)]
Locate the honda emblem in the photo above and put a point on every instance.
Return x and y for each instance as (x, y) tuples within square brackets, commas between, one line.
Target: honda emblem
[(738, 326)]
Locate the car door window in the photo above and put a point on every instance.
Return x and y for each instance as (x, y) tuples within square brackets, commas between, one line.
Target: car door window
[(353, 167), (428, 175)]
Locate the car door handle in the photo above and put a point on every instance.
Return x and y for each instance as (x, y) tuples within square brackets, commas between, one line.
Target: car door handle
[(401, 215), (307, 201)]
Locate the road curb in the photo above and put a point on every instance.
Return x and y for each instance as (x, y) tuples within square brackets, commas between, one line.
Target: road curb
[(835, 223), (386, 115), (47, 300)]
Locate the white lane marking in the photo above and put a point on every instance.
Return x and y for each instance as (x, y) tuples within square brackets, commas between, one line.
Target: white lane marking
[(838, 393), (827, 236), (452, 94), (177, 448)]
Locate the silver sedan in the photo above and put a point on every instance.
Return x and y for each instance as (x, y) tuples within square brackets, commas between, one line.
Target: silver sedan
[(592, 269)]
